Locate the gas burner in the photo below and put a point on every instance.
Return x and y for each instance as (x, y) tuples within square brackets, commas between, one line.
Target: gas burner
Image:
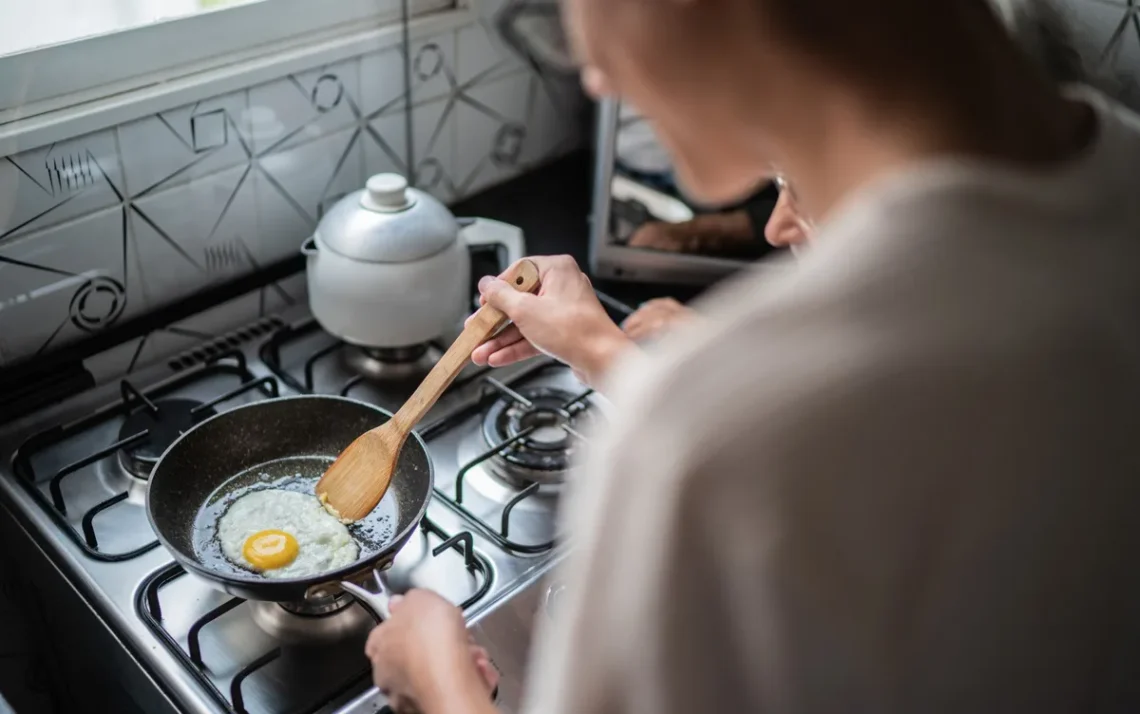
[(164, 420), (393, 364), (295, 624), (552, 420)]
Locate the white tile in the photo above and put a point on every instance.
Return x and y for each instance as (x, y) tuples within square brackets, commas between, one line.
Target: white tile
[(176, 147), (386, 145), (1110, 29), (217, 321), (316, 174), (493, 134), (284, 294), (46, 186), (433, 67), (434, 127), (295, 286), (116, 362), (381, 82), (283, 223), (121, 360), (555, 120), (300, 108), (481, 56), (64, 283), (489, 8), (197, 234)]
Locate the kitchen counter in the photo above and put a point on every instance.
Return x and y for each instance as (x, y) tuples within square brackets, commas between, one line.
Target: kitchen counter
[(552, 206)]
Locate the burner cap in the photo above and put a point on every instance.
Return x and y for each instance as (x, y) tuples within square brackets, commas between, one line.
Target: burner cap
[(297, 624), (165, 423), (550, 446), (393, 364), (396, 355)]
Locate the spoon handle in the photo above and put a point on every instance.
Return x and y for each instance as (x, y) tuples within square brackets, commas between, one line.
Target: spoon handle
[(483, 325)]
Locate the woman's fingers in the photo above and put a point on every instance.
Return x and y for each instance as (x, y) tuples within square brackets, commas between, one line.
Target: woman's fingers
[(371, 647), (509, 336), (487, 671), (511, 354)]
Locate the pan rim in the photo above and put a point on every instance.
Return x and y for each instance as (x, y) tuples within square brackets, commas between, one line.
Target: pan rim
[(193, 566)]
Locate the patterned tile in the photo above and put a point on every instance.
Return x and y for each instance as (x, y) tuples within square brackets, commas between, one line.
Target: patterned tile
[(492, 121), (52, 184), (185, 250), (99, 227), (65, 283), (433, 67), (176, 147), (385, 142), (555, 120), (313, 174), (481, 56), (382, 83), (434, 131)]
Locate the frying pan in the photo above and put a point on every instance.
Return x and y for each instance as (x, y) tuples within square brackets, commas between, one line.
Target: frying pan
[(281, 443)]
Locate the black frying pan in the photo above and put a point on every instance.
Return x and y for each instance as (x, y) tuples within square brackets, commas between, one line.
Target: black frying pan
[(286, 442)]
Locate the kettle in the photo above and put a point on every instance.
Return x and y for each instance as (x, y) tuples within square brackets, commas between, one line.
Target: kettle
[(389, 266)]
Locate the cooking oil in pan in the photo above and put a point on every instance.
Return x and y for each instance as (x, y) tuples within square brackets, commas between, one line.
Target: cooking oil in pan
[(298, 474)]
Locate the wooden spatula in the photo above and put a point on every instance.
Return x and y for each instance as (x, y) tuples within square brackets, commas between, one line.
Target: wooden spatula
[(357, 480)]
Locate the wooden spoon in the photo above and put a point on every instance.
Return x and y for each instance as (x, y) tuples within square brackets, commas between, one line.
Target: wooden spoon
[(358, 479)]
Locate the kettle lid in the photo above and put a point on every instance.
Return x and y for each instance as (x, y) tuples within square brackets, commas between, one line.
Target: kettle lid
[(388, 222)]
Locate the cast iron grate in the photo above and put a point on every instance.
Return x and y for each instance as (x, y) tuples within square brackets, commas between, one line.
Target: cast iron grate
[(227, 364), (190, 657)]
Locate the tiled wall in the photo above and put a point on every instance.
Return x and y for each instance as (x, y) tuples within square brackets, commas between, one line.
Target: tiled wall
[(106, 226), (1107, 35)]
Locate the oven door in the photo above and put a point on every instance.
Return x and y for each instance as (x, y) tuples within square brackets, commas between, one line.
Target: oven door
[(616, 213)]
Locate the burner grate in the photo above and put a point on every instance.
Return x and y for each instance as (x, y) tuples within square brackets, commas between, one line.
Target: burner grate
[(501, 535), (306, 382), (230, 364), (150, 609), (270, 354)]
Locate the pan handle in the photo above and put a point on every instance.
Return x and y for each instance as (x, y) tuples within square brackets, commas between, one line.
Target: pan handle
[(377, 602)]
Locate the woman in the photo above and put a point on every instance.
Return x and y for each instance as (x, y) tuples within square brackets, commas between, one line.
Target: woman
[(901, 477)]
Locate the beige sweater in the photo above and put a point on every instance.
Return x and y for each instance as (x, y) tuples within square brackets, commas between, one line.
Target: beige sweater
[(902, 477)]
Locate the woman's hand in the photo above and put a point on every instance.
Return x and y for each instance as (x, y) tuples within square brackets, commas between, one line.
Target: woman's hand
[(423, 659), (655, 317), (564, 320)]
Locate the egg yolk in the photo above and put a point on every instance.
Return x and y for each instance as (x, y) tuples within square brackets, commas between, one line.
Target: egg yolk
[(267, 550)]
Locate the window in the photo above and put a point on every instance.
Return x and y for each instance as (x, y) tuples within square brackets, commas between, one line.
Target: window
[(59, 52)]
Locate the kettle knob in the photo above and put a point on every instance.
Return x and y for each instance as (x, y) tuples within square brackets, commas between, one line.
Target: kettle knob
[(386, 193)]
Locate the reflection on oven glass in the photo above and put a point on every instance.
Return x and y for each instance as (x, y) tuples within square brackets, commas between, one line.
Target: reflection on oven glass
[(650, 211)]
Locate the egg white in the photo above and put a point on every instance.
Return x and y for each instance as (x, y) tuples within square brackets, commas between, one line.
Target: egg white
[(324, 543)]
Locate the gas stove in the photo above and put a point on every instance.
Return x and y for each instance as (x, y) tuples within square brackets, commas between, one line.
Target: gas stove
[(74, 476)]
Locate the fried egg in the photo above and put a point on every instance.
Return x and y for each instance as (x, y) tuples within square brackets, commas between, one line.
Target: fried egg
[(284, 534)]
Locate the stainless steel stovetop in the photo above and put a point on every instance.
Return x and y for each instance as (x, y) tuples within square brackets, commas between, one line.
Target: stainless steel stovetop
[(70, 476)]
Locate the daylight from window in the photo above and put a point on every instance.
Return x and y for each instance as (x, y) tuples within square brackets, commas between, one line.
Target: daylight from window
[(30, 24)]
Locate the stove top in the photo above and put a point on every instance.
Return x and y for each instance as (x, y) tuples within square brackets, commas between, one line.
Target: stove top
[(500, 442)]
